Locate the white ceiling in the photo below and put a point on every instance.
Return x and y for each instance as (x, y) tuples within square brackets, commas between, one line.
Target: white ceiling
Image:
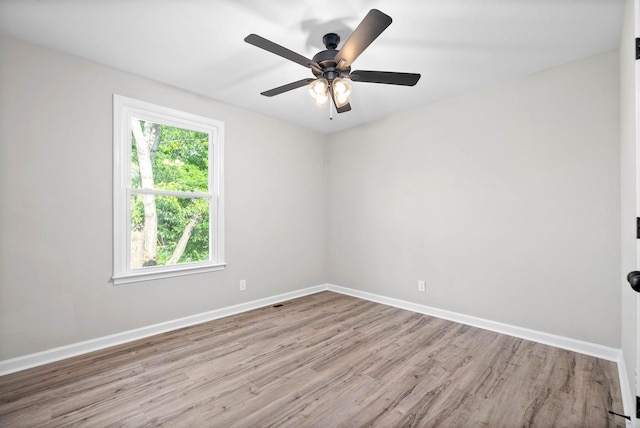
[(457, 45)]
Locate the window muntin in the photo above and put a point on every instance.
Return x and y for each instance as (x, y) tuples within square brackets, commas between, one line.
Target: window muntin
[(167, 192)]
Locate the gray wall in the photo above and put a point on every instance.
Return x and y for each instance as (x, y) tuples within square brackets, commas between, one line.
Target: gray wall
[(506, 202), (56, 214)]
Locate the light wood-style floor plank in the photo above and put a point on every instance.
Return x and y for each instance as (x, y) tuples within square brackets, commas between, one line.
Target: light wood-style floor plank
[(325, 360)]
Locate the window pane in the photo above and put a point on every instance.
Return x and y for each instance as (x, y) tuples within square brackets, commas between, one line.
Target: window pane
[(168, 158), (167, 230)]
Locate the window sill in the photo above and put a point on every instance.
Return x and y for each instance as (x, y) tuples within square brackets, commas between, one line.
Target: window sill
[(149, 275)]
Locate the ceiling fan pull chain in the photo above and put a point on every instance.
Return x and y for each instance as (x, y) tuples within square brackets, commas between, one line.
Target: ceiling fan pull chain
[(330, 111)]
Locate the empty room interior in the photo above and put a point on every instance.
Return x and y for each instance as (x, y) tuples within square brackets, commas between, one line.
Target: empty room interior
[(340, 213)]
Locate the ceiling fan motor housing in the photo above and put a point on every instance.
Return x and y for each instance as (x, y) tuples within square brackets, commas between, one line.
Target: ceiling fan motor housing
[(326, 59)]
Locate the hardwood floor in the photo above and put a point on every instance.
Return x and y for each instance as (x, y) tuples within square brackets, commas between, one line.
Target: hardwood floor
[(324, 360)]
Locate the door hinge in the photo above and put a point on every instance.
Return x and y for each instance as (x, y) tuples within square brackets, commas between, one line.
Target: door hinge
[(637, 227), (637, 47), (637, 407)]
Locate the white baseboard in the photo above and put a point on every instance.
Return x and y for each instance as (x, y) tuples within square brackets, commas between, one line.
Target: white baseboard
[(600, 351), (62, 352)]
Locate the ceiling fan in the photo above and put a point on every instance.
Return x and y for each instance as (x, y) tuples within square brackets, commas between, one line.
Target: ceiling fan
[(332, 67)]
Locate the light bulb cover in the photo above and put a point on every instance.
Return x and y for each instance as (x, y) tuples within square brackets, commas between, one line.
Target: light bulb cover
[(319, 87), (341, 101), (321, 99), (341, 89)]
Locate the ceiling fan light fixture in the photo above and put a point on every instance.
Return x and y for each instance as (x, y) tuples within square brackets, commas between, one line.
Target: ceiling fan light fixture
[(321, 99), (332, 67), (341, 88), (319, 90), (342, 100)]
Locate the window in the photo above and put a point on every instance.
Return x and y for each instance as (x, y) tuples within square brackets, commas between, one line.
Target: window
[(168, 198)]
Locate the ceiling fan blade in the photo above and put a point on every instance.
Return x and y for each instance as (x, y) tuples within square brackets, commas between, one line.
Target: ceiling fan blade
[(344, 108), (287, 87), (388, 77), (365, 33), (268, 45)]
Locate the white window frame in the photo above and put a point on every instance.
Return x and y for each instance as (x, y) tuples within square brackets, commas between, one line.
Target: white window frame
[(123, 110)]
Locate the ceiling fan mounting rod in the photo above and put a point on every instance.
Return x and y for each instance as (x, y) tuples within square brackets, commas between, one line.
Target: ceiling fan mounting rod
[(331, 41)]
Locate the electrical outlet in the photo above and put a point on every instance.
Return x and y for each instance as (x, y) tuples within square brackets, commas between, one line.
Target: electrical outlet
[(243, 284), (421, 286)]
